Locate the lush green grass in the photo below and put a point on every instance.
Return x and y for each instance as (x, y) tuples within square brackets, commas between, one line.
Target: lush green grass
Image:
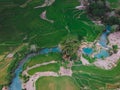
[(43, 58), (50, 67), (56, 83), (90, 59), (114, 4), (17, 23), (92, 69), (92, 76), (8, 65), (26, 21)]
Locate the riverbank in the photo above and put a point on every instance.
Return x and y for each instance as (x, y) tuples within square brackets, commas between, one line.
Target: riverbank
[(16, 82), (31, 84), (111, 61)]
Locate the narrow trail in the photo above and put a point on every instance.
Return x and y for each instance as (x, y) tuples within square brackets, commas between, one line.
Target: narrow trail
[(81, 6), (25, 4), (46, 3), (25, 72), (84, 61), (43, 16), (30, 85)]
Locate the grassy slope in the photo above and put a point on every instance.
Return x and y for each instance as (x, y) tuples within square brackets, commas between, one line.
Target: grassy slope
[(49, 67), (56, 83), (42, 58), (16, 23), (92, 76), (26, 21)]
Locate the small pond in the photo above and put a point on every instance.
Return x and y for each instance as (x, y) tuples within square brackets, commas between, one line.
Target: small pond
[(87, 50), (102, 54)]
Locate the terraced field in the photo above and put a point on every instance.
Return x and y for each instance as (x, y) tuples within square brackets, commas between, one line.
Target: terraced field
[(94, 78), (21, 26), (83, 77)]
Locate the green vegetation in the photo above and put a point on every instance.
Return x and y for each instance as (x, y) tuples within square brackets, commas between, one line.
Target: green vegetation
[(0, 87), (101, 10), (8, 65), (112, 20), (96, 78), (49, 67), (17, 23), (25, 78), (43, 58), (69, 47), (20, 25), (56, 83), (115, 48), (97, 8), (90, 59), (114, 4)]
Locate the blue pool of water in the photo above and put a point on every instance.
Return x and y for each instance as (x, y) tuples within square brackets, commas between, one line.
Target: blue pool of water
[(102, 54), (108, 29), (16, 82), (87, 51), (103, 38), (49, 50)]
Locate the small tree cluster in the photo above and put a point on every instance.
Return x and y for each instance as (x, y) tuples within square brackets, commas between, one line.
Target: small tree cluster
[(112, 20), (97, 8), (69, 46)]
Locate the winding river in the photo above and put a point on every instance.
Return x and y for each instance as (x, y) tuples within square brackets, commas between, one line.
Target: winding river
[(16, 82)]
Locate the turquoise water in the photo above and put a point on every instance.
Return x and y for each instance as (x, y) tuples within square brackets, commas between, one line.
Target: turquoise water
[(87, 51), (103, 39), (102, 54), (48, 50), (103, 42), (16, 82)]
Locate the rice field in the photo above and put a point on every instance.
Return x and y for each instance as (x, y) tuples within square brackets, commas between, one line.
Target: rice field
[(20, 25)]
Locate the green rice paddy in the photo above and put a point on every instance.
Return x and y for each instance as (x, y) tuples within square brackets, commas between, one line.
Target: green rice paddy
[(17, 23)]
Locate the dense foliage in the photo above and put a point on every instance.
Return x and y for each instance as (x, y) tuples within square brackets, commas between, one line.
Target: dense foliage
[(69, 46)]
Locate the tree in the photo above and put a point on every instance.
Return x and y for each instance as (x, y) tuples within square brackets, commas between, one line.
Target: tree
[(113, 20), (115, 48), (69, 46), (97, 8)]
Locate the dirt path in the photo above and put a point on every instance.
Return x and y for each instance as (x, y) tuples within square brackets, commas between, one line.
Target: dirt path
[(81, 6), (46, 3), (25, 4), (111, 61), (25, 72), (30, 85), (84, 61), (43, 16)]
